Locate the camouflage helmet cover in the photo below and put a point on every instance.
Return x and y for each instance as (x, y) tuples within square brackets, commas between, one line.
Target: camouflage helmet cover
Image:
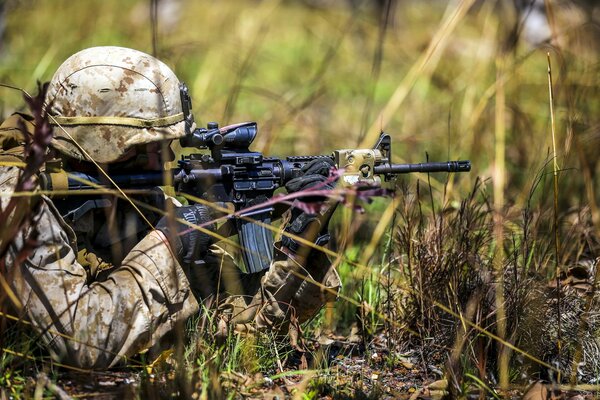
[(107, 99)]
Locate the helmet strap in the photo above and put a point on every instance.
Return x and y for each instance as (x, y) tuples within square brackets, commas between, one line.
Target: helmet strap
[(186, 105)]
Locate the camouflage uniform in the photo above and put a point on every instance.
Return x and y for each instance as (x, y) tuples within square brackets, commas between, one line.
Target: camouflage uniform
[(94, 320)]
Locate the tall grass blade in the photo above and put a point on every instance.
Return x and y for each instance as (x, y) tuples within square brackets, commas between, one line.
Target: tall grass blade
[(499, 184), (555, 170), (419, 69)]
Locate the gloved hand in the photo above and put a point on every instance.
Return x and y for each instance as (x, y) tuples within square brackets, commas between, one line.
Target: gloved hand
[(187, 241), (315, 175), (310, 225)]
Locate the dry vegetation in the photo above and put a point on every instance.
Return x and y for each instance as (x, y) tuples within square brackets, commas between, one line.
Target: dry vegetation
[(453, 279)]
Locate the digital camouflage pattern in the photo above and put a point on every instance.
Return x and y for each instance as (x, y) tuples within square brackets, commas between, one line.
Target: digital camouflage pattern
[(95, 321), (93, 308), (107, 99)]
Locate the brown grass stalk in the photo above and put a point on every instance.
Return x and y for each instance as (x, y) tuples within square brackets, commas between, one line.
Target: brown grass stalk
[(499, 185), (555, 229)]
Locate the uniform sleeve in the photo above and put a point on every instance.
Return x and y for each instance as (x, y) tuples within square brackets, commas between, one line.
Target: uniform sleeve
[(291, 291), (96, 324)]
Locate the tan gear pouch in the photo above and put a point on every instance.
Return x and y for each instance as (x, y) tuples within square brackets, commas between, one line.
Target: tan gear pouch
[(11, 137)]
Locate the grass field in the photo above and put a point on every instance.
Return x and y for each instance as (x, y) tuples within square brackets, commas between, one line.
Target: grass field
[(458, 260)]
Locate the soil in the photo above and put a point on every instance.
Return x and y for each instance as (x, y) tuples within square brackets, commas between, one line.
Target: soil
[(338, 368)]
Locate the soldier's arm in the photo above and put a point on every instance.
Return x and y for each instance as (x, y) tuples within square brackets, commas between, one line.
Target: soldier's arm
[(297, 284), (95, 325), (301, 279)]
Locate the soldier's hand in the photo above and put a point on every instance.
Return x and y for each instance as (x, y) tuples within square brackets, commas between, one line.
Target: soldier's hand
[(310, 223), (191, 239), (315, 176)]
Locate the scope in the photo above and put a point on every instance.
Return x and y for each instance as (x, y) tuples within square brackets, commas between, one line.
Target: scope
[(238, 136)]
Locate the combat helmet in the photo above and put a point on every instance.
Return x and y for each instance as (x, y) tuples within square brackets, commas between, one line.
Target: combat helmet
[(104, 100)]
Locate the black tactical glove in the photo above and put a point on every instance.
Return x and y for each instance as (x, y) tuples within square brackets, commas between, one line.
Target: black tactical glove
[(310, 225), (187, 241), (315, 174)]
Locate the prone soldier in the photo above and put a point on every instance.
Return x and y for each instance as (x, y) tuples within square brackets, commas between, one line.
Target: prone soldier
[(109, 279)]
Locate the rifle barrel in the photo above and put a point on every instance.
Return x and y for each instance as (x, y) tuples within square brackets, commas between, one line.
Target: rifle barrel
[(446, 166)]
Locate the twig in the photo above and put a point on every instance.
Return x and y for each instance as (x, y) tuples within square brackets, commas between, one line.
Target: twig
[(56, 390)]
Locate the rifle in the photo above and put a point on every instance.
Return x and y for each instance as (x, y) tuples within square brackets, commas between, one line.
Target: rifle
[(232, 173)]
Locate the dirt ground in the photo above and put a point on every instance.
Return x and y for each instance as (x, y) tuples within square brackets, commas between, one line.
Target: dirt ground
[(349, 370)]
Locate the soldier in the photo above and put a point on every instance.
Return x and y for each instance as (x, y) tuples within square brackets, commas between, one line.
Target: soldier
[(107, 280)]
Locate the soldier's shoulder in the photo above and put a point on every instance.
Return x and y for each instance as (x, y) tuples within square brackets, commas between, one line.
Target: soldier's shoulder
[(9, 176), (12, 135)]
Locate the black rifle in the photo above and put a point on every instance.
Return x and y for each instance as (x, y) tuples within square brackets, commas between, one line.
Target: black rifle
[(232, 173)]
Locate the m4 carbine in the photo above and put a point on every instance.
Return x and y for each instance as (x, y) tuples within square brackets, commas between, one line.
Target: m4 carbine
[(232, 173)]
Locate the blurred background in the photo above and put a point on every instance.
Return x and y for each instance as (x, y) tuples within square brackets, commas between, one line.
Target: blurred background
[(323, 74)]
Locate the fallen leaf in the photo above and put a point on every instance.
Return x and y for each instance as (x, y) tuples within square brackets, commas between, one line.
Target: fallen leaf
[(325, 341), (442, 384), (536, 391)]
